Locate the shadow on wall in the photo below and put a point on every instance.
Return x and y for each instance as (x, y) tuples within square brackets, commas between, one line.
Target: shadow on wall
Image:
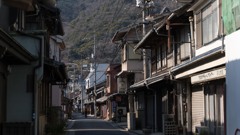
[(232, 94)]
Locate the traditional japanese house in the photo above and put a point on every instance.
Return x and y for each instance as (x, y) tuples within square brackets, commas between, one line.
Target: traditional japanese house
[(201, 78)]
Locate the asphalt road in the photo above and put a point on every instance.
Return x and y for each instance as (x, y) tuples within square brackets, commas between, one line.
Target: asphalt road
[(92, 126)]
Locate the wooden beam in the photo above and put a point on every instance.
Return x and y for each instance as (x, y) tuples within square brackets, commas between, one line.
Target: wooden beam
[(169, 36)]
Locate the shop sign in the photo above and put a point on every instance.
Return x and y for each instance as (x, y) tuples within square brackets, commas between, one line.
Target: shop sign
[(208, 76)]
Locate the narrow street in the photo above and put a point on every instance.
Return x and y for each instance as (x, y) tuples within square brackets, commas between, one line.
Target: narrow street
[(80, 125)]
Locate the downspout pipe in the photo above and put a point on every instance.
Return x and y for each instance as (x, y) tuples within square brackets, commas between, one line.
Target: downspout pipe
[(192, 43), (225, 93), (35, 98), (222, 35)]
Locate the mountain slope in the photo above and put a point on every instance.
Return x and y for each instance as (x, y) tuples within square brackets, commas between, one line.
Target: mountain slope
[(86, 20)]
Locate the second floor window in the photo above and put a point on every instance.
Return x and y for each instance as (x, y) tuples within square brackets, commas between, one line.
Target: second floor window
[(108, 81), (161, 56), (208, 24), (128, 54), (164, 55), (124, 53), (159, 65)]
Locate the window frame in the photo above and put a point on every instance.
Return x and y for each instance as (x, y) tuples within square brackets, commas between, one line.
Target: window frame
[(209, 33)]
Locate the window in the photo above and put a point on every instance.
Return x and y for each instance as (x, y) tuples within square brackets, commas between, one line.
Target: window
[(108, 81), (164, 55), (185, 51), (161, 56), (124, 53), (20, 23), (182, 36), (131, 54), (153, 59), (210, 22), (207, 24)]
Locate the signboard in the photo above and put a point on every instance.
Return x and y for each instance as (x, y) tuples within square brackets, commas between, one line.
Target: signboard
[(212, 75), (122, 84)]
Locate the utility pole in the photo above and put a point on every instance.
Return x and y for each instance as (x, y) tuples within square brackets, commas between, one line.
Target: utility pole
[(145, 59), (81, 85), (95, 80)]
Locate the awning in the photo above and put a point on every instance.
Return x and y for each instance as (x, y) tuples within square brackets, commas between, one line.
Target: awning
[(214, 54), (11, 52), (124, 73), (105, 98), (102, 99), (132, 34), (157, 78), (89, 102), (149, 81), (55, 71), (118, 36), (116, 94), (137, 85)]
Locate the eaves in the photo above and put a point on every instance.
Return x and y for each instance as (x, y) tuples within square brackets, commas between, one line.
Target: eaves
[(12, 51)]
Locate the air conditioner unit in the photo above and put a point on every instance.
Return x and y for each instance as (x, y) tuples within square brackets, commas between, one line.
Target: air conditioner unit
[(121, 111)]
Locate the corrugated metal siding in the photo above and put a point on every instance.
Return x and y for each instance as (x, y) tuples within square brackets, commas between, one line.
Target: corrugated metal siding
[(197, 107)]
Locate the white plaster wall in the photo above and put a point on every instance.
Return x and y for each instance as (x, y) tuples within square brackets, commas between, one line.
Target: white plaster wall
[(232, 43), (211, 46), (100, 75), (19, 101), (56, 95)]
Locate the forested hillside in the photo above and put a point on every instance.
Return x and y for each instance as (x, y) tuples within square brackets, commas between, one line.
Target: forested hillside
[(85, 19)]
